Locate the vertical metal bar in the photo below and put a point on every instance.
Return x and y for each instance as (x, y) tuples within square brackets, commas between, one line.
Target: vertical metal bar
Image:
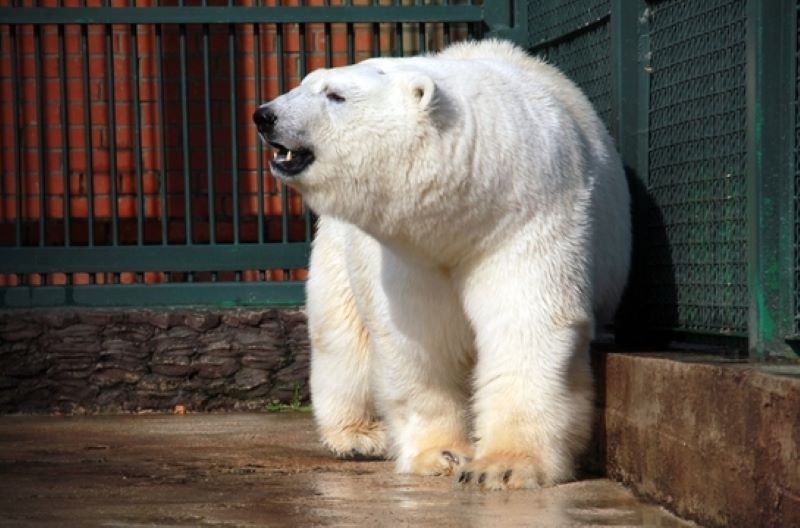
[(625, 74), (351, 38), (187, 183), (303, 72), (112, 129), (212, 222), (259, 145), (87, 120), (62, 92), (351, 46), (37, 39), (162, 137), (376, 33), (234, 131), (421, 36), (628, 106), (399, 49), (398, 34), (770, 173), (282, 88), (17, 140), (301, 29), (137, 131), (279, 55), (327, 41), (446, 27)]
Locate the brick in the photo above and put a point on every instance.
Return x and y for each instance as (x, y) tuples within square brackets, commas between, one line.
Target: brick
[(8, 211), (148, 92), (76, 135), (126, 206), (97, 66), (53, 135), (146, 44), (9, 182), (78, 206), (151, 158), (75, 113), (101, 207), (54, 207)]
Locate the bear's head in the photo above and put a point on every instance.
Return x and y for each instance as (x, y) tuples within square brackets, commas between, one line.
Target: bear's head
[(355, 139)]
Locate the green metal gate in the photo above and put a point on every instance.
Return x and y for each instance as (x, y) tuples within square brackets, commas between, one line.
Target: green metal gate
[(131, 174)]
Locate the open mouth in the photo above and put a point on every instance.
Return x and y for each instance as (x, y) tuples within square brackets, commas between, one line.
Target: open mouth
[(287, 162)]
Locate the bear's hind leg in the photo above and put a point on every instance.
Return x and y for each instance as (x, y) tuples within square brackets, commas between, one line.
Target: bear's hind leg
[(340, 358)]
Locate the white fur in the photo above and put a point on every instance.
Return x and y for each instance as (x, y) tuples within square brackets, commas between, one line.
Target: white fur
[(474, 229)]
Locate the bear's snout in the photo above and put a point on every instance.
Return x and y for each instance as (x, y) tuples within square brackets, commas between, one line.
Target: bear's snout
[(265, 119)]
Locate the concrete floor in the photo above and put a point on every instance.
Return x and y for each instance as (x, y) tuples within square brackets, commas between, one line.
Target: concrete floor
[(255, 470)]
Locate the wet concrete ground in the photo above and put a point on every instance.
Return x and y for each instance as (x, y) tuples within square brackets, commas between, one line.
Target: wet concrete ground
[(255, 470)]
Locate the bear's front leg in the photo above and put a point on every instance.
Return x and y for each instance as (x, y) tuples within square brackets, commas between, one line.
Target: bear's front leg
[(424, 405), (530, 308), (423, 353), (341, 392)]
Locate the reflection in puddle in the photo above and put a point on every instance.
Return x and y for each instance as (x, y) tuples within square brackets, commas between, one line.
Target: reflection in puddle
[(375, 499)]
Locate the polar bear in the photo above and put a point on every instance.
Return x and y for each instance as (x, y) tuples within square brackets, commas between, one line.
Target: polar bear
[(474, 229)]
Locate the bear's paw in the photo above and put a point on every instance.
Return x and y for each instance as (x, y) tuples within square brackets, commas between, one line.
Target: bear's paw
[(362, 441)]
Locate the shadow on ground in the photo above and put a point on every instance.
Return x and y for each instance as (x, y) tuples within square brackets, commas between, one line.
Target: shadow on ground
[(255, 470)]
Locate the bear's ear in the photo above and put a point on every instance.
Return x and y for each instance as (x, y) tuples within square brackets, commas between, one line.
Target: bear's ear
[(423, 90)]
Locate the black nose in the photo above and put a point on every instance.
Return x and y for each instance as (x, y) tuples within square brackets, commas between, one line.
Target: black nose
[(265, 119)]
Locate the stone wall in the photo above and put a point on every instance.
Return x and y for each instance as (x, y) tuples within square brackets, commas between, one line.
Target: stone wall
[(133, 360)]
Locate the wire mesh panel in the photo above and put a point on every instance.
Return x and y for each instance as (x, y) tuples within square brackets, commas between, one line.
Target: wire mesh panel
[(557, 19), (131, 172), (696, 244), (586, 60), (575, 36)]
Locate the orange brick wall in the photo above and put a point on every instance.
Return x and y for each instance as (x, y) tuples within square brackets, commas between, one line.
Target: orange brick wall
[(87, 158)]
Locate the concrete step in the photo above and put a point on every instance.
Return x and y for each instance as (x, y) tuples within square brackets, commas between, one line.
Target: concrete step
[(715, 440)]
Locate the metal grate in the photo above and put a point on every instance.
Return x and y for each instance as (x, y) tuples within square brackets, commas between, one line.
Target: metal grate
[(585, 59), (556, 19), (695, 249)]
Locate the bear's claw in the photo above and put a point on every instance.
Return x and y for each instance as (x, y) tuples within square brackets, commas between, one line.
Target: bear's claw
[(500, 473), (453, 458), (437, 461)]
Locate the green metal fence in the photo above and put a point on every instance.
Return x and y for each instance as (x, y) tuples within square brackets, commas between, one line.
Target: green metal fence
[(701, 96), (131, 174)]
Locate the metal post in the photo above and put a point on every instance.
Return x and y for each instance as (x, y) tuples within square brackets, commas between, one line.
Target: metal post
[(629, 129), (771, 49)]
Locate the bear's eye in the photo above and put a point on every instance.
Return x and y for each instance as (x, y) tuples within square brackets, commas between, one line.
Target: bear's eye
[(335, 97)]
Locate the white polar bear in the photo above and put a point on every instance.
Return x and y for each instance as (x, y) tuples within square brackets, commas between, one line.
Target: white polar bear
[(474, 228)]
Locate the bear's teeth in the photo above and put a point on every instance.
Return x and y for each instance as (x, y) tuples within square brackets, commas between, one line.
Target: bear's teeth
[(289, 156), (275, 155)]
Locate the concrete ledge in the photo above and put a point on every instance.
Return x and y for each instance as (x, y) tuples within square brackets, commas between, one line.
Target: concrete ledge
[(715, 441)]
